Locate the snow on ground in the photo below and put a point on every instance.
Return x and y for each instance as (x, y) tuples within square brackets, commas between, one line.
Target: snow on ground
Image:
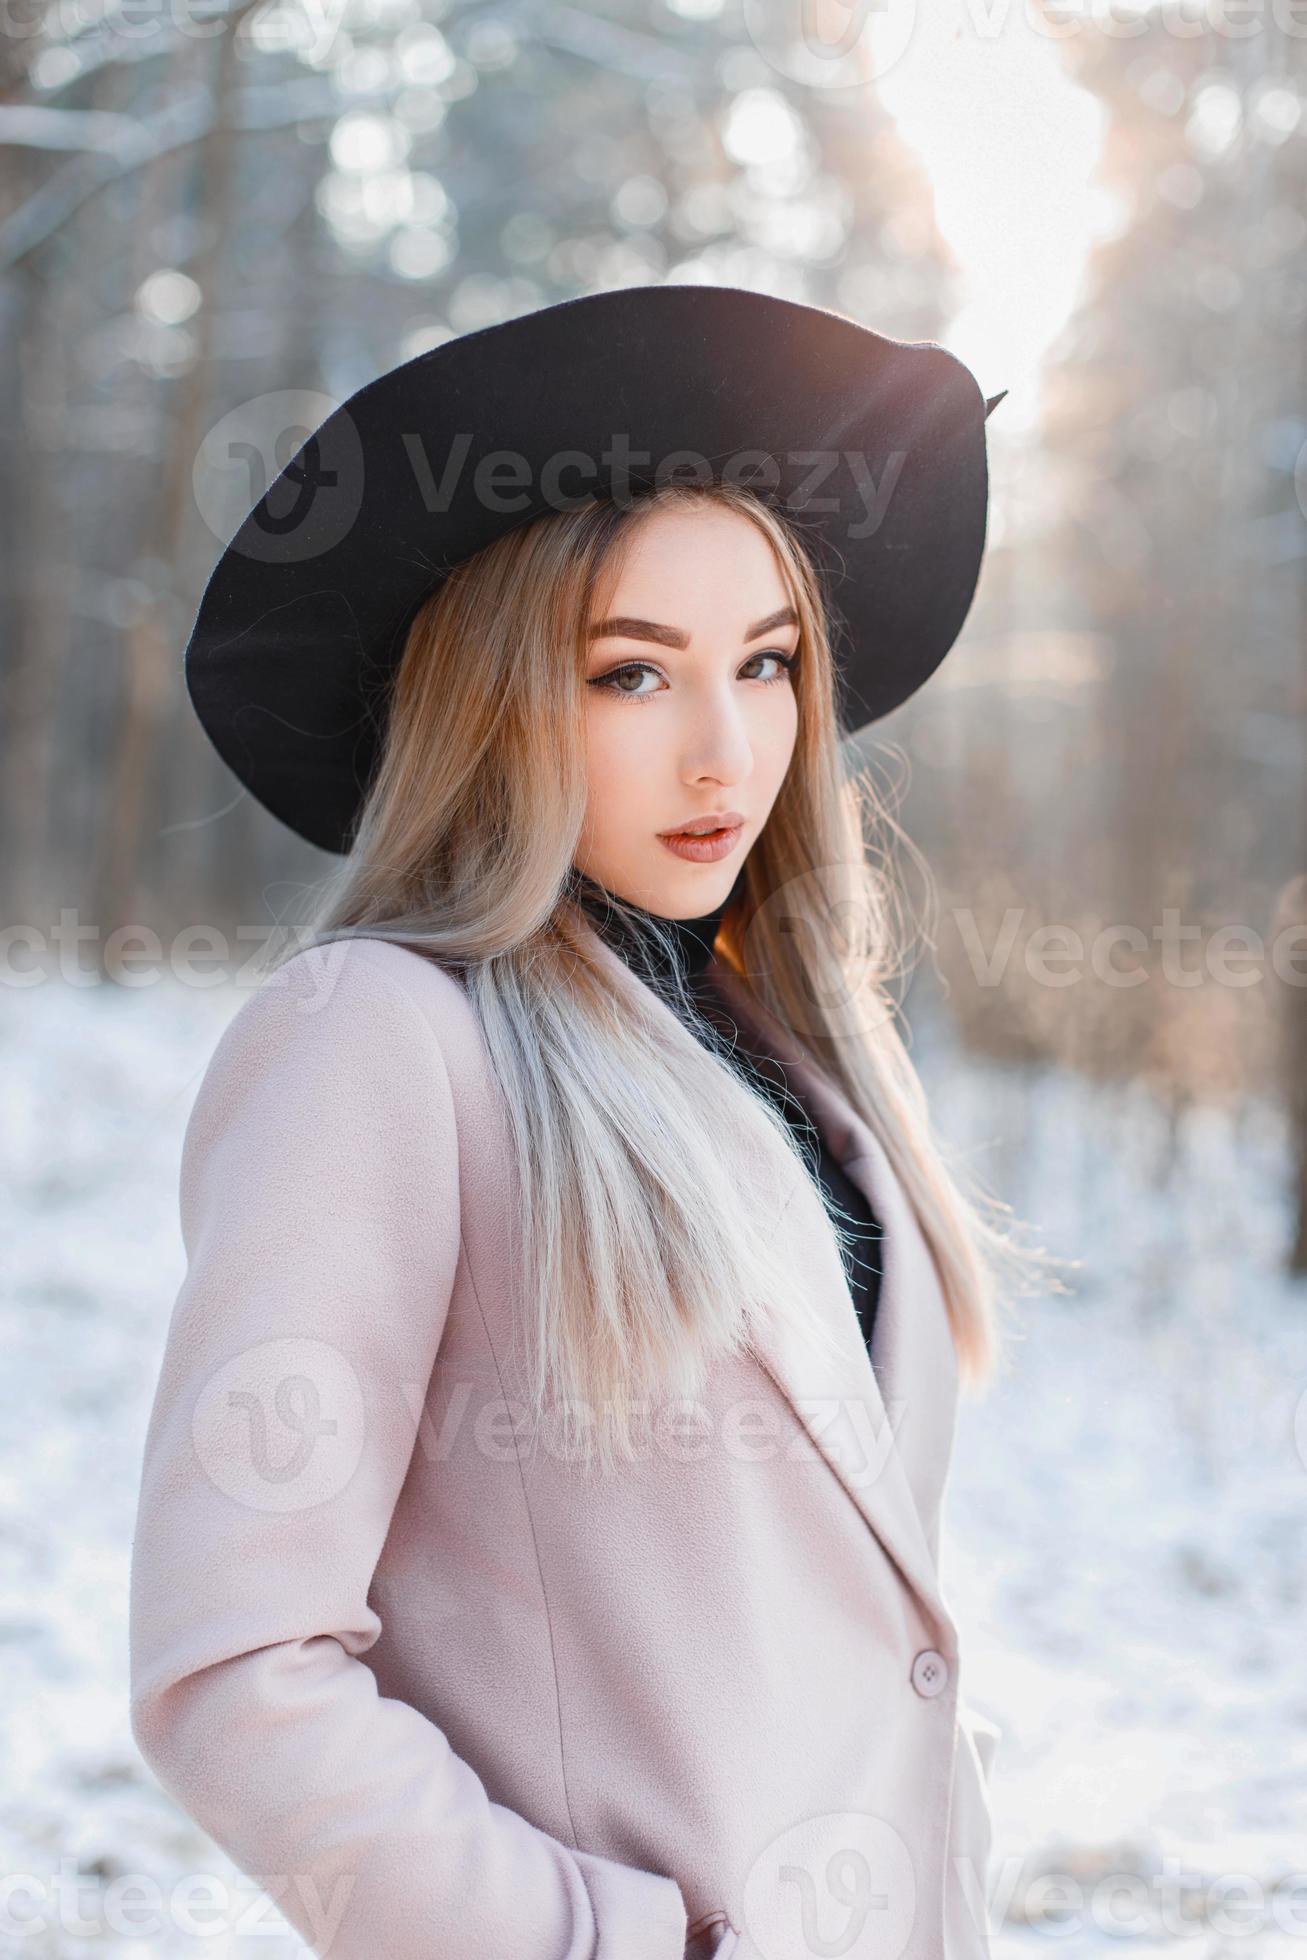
[(1126, 1529), (1127, 1523)]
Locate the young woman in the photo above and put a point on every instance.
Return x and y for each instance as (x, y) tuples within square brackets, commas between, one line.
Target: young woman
[(537, 1553)]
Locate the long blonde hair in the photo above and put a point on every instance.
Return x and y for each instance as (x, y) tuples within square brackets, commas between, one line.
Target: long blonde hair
[(644, 1259)]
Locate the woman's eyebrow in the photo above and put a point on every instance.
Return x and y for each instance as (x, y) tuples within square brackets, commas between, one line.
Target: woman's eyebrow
[(622, 628)]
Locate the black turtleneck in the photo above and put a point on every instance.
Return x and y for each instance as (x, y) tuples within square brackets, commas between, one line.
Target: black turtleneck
[(694, 938), (692, 948)]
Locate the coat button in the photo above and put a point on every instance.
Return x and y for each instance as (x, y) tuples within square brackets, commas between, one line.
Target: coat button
[(929, 1672)]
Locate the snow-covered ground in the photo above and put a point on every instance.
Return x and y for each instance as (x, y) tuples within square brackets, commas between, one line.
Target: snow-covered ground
[(1125, 1547), (1127, 1525)]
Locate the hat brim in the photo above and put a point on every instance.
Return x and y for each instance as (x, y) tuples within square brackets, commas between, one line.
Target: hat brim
[(875, 446)]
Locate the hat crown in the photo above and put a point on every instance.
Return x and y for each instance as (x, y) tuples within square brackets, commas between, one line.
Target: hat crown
[(872, 444)]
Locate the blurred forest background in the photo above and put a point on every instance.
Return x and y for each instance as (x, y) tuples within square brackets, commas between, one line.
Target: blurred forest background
[(1104, 213), (204, 205)]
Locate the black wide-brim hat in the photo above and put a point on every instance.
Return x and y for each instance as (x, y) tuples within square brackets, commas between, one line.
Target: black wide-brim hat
[(875, 446)]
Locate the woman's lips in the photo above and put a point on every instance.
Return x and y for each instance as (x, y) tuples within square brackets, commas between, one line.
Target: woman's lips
[(705, 849)]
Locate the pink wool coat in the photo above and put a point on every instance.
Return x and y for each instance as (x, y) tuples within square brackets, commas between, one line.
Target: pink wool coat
[(441, 1694)]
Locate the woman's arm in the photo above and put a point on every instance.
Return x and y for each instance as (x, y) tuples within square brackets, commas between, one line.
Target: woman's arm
[(320, 1216)]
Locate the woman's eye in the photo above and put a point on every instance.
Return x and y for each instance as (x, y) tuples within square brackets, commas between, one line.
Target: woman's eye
[(787, 661), (636, 671), (615, 679)]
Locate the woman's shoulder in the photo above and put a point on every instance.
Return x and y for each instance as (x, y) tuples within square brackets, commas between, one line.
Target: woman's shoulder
[(361, 965), (339, 1082), (353, 1002)]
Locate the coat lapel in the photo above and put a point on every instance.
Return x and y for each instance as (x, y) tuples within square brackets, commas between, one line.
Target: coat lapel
[(898, 1396), (854, 1413)]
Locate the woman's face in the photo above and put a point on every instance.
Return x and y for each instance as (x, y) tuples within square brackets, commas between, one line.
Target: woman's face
[(690, 710)]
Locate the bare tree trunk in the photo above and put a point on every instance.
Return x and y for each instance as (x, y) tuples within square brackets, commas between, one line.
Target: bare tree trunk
[(1279, 189), (34, 623), (38, 604), (150, 651)]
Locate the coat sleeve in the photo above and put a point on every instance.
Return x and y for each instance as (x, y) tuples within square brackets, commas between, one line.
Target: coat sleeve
[(320, 1218)]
